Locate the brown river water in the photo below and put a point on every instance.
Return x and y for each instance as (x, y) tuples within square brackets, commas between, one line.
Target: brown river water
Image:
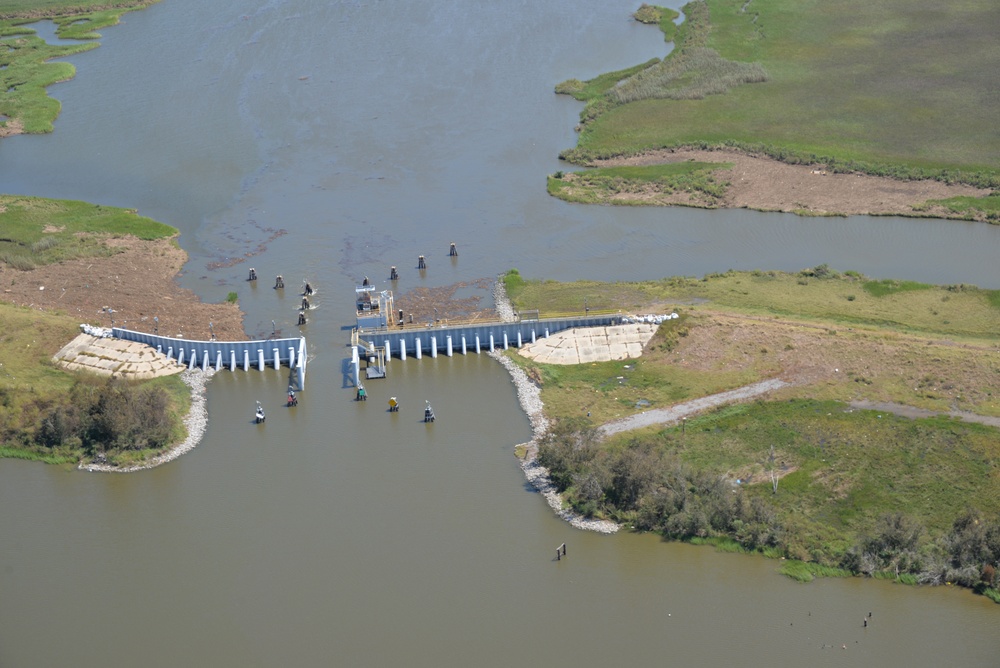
[(327, 141)]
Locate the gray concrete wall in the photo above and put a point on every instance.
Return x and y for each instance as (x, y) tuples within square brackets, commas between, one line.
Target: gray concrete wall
[(226, 354), (435, 339)]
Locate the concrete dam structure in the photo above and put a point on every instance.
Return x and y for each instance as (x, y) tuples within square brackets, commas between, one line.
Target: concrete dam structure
[(376, 345), (418, 342), (227, 354)]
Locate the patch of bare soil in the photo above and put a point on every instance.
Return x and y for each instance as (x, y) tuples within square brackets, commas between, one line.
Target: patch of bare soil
[(768, 185), (138, 284), (849, 364), (11, 127)]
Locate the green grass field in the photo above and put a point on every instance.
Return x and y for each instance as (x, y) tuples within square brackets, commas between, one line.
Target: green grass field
[(604, 183), (902, 86), (39, 231), (48, 8), (842, 467), (843, 298)]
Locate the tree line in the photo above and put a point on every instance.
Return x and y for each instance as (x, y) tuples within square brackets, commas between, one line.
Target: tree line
[(641, 486), (94, 418)]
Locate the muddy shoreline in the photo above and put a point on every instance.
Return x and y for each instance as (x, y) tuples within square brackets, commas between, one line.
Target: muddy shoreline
[(764, 184)]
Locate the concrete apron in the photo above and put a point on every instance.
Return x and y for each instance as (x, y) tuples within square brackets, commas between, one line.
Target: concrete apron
[(590, 344), (110, 356)]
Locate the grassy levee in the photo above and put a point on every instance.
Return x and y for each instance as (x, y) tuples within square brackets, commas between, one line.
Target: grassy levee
[(899, 88), (38, 231), (25, 70), (47, 413), (835, 488)]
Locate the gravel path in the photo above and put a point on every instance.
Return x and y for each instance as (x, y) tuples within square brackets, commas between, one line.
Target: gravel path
[(674, 413), (913, 412), (196, 421)]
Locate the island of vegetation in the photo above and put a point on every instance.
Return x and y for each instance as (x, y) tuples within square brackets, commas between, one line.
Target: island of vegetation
[(25, 70), (835, 108), (879, 454)]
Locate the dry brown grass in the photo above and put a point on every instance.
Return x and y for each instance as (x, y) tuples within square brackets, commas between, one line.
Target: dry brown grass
[(846, 363)]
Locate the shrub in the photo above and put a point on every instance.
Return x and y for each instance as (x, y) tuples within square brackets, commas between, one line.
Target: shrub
[(513, 282), (19, 262), (44, 244), (647, 14), (129, 417)]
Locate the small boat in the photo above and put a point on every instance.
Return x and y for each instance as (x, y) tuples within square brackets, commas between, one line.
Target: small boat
[(428, 413), (260, 413), (292, 399)]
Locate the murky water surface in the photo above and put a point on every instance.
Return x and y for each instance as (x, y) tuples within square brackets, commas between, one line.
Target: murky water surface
[(328, 141)]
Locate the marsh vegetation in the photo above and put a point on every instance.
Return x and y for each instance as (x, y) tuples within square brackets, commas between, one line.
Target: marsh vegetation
[(26, 70), (898, 89)]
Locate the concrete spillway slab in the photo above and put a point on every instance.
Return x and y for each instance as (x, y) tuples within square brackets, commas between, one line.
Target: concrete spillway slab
[(107, 356), (583, 345)]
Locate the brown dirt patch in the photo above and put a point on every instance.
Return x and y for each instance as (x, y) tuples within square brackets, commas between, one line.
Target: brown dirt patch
[(846, 363), (138, 283), (11, 127), (768, 185)]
